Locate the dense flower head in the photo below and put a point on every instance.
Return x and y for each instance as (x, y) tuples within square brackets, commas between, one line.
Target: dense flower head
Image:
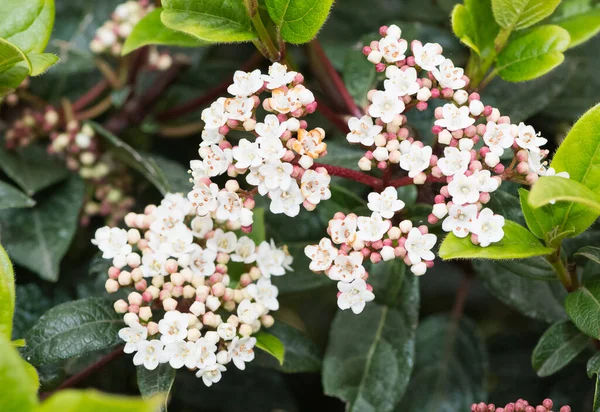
[(520, 405), (190, 307)]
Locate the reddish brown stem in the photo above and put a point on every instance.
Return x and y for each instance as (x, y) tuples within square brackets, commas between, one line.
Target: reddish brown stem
[(333, 117), (90, 95), (405, 181), (374, 182)]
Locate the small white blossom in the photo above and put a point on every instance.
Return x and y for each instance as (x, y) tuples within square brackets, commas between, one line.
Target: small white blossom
[(245, 250), (315, 186), (272, 261), (449, 76), (401, 82), (206, 350), (321, 255), (239, 108), (455, 118), (485, 181), (211, 137), (245, 84), (363, 130), (488, 227), (222, 241), (246, 154), (241, 351), (460, 220), (204, 198), (418, 246), (232, 208), (540, 166), (270, 148), (392, 47), (214, 116), (278, 76), (385, 203), (265, 293), (153, 264), (217, 161), (211, 374), (226, 331), (202, 261), (529, 139), (181, 353), (112, 242), (347, 268), (454, 161), (178, 242), (498, 137), (148, 354), (372, 229), (201, 225), (133, 335), (286, 201), (173, 327), (386, 105), (271, 127), (428, 56), (277, 174), (416, 159), (343, 230), (354, 295), (247, 312), (464, 189), (285, 101)]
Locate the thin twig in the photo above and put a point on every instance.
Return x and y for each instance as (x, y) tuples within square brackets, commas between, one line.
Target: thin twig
[(96, 110), (333, 117), (360, 177), (90, 95), (405, 181)]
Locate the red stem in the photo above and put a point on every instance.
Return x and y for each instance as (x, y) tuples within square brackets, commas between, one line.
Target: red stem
[(90, 95), (333, 117), (374, 182), (405, 181)]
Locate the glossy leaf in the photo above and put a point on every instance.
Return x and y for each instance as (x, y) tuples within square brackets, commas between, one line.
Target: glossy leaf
[(583, 307), (552, 189), (31, 167), (209, 20), (517, 243), (590, 252), (358, 75), (539, 220), (27, 23), (7, 295), (10, 55), (151, 30), (11, 198), (519, 14), (91, 400), (473, 23), (299, 20), (450, 366), (557, 347), (270, 344), (533, 54), (579, 18), (38, 237), (19, 385), (41, 62), (258, 233), (371, 369), (73, 329), (156, 382)]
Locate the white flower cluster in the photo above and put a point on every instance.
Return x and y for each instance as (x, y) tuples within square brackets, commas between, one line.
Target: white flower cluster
[(177, 262), (277, 160), (373, 237)]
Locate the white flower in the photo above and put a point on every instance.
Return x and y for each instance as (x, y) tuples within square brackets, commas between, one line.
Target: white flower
[(286, 201), (418, 246), (464, 189), (285, 101), (429, 56), (529, 139), (455, 118), (176, 201), (211, 374), (271, 127), (321, 255), (211, 137), (265, 293), (202, 261), (247, 312), (226, 331), (173, 327), (232, 208), (315, 186), (178, 242), (401, 82), (245, 84), (278, 76), (449, 76), (112, 242), (454, 161), (343, 230), (245, 250), (485, 181), (167, 219), (217, 161), (538, 166), (181, 353), (460, 219), (270, 148), (256, 179), (363, 130), (241, 351), (385, 203), (354, 295), (386, 105), (488, 227), (347, 268), (392, 47), (497, 137), (372, 229), (204, 198), (201, 225), (148, 354), (133, 335), (239, 108), (246, 154), (416, 159), (206, 350), (214, 116), (153, 264), (222, 241), (272, 261), (277, 174)]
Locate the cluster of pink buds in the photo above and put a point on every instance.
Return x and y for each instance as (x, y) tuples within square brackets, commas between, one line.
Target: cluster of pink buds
[(519, 406), (276, 160), (200, 292), (112, 34), (31, 126)]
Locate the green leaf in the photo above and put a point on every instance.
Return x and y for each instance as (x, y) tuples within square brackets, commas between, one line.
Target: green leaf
[(593, 368), (174, 173), (535, 298), (519, 14), (40, 62), (517, 243), (369, 357), (11, 198), (156, 382), (39, 237), (209, 20), (31, 167), (270, 344), (90, 400), (258, 233), (12, 78), (590, 252), (533, 54), (359, 76), (19, 386), (301, 353), (557, 347), (73, 329), (151, 30), (10, 55), (583, 307), (7, 294), (473, 23), (299, 20), (579, 18), (450, 366), (27, 23)]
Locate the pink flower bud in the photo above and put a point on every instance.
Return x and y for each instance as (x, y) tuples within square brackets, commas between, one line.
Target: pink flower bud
[(380, 67), (410, 61), (383, 30), (499, 168), (422, 106), (141, 285), (432, 219), (133, 308), (224, 130), (366, 50)]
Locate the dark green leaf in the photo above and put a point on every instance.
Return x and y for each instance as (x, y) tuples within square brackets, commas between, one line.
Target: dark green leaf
[(583, 307), (590, 252), (299, 20), (579, 18), (359, 75), (175, 174), (12, 198), (156, 382), (270, 344), (593, 368), (73, 329), (258, 233), (558, 346)]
